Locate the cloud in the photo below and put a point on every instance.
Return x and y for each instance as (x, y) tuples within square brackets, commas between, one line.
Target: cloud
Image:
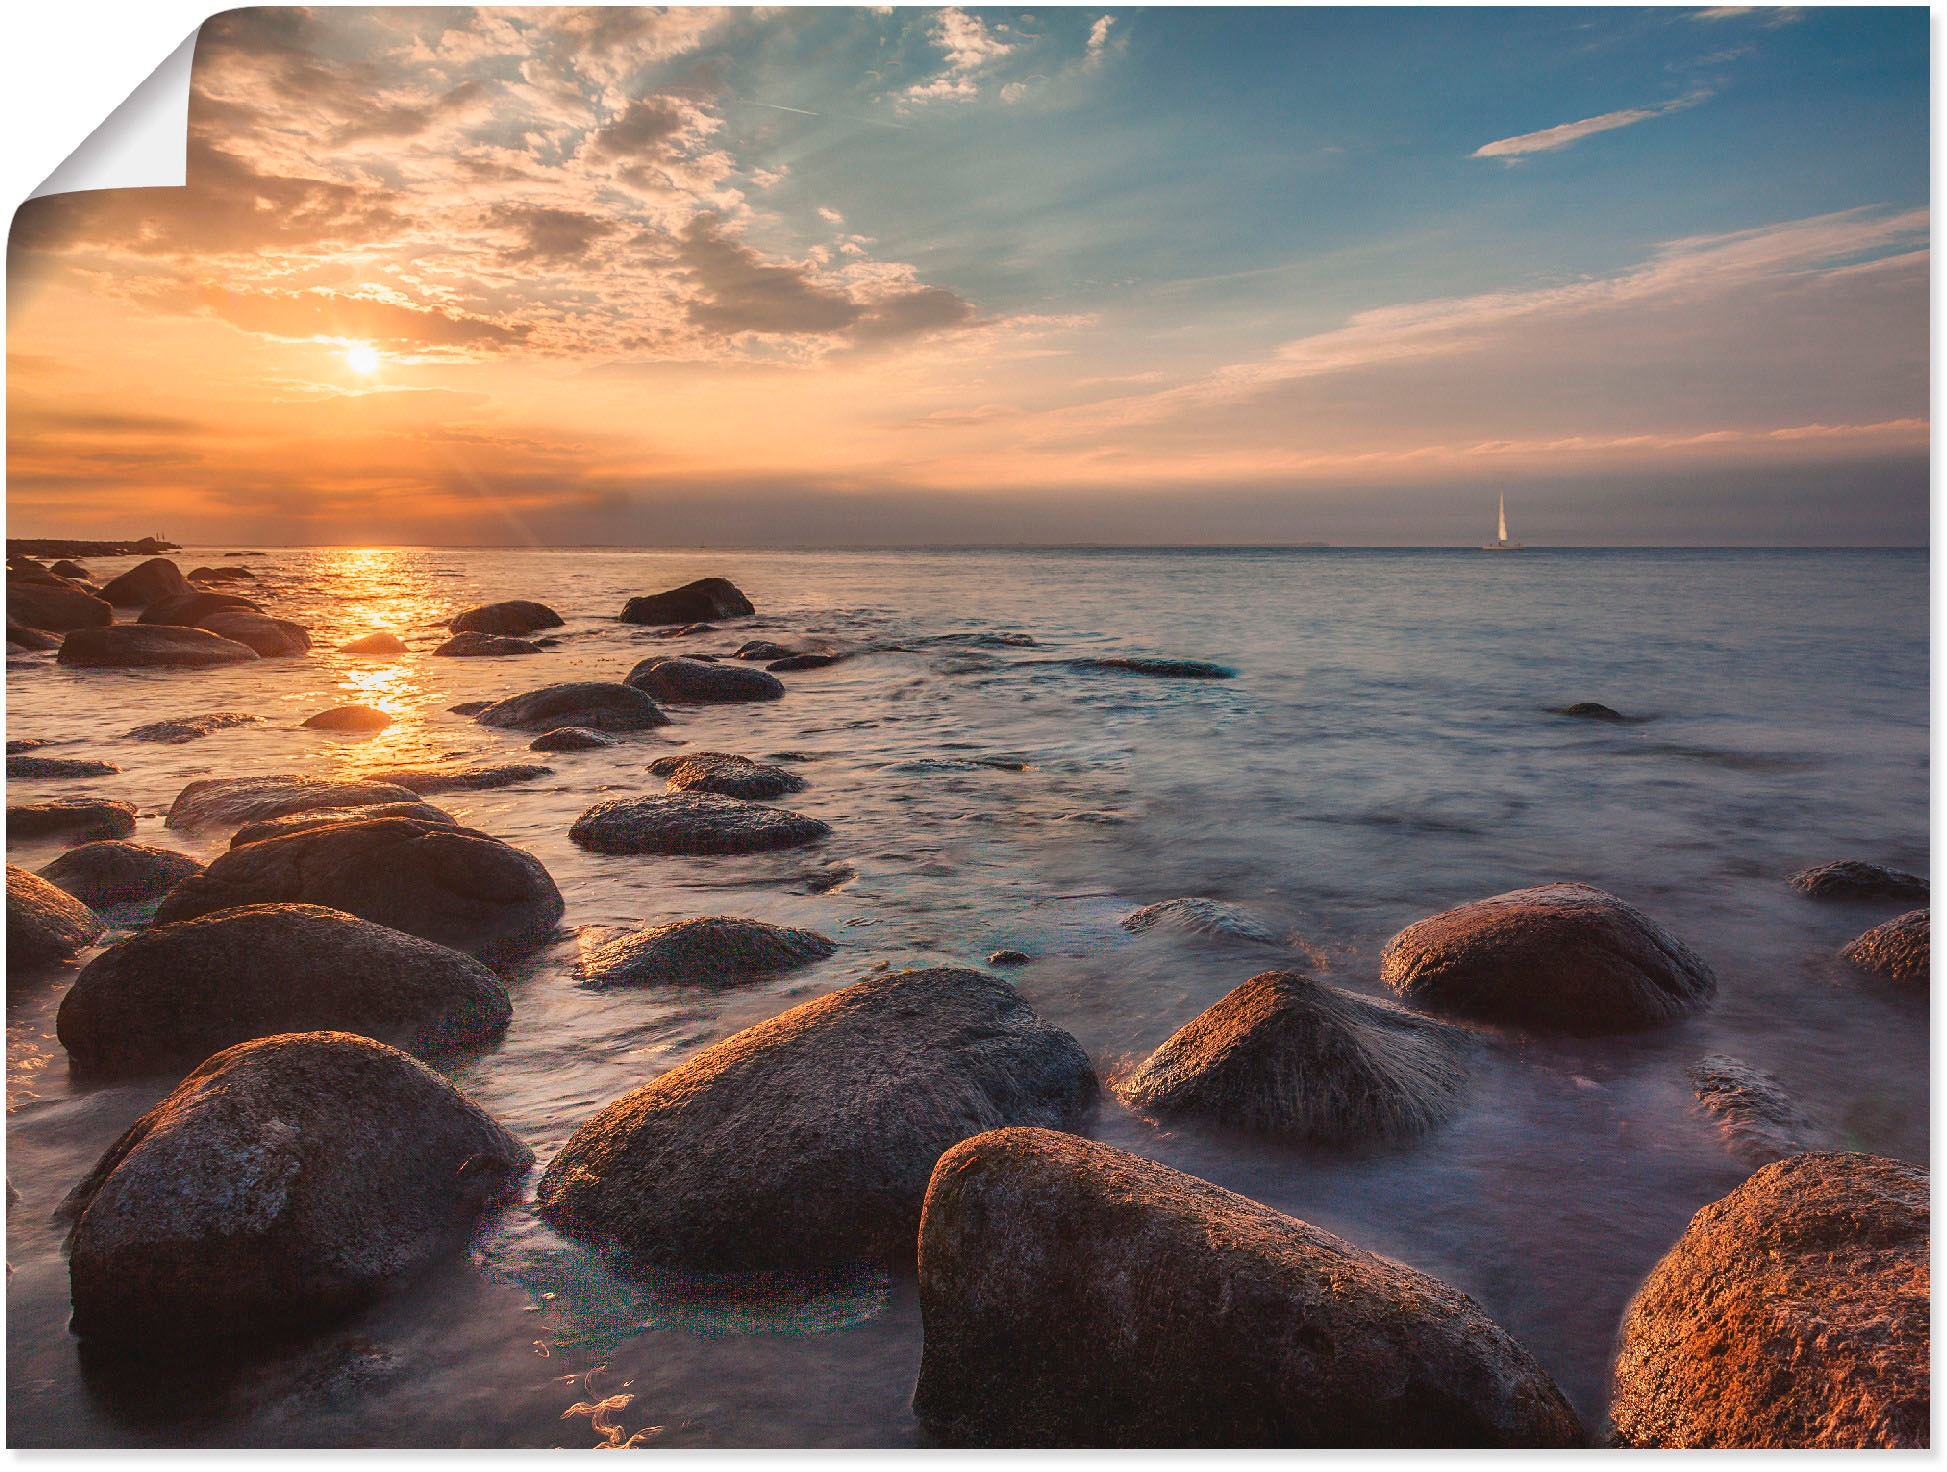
[(970, 48), (550, 236), (1563, 134), (829, 215), (1098, 40)]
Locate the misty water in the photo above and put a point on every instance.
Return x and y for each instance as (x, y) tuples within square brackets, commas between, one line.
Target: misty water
[(1386, 751)]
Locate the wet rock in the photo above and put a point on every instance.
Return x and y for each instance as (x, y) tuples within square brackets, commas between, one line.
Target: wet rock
[(431, 781), (190, 728), (1290, 1056), (285, 1182), (1897, 950), (21, 745), (469, 707), (127, 645), (1564, 956), (706, 598), (1589, 710), (1200, 917), (110, 872), (483, 646), (1857, 879), (805, 1141), (272, 638), (19, 636), (802, 662), (22, 767), (146, 583), (716, 950), (1076, 1295), (56, 607), (44, 924), (303, 822), (509, 619), (453, 885), (725, 775), (174, 994), (188, 610), (1758, 1121), (1164, 669), (599, 705), (1792, 1313), (349, 718), (75, 818), (1009, 958), (700, 682), (570, 738), (221, 575), (691, 823), (761, 649), (68, 569), (380, 643), (216, 801)]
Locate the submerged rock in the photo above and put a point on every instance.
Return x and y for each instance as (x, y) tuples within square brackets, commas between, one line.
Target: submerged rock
[(21, 745), (272, 638), (483, 646), (599, 705), (706, 598), (717, 950), (221, 575), (1200, 917), (691, 823), (571, 738), (190, 728), (1564, 956), (1076, 1295), (762, 649), (469, 707), (431, 781), (67, 569), (1792, 1313), (109, 872), (56, 607), (1758, 1121), (1857, 879), (188, 610), (725, 774), (509, 619), (44, 924), (1590, 710), (1897, 950), (146, 583), (700, 682), (805, 1141), (349, 718), (216, 801), (303, 822), (24, 767), (19, 636), (802, 662), (77, 818), (379, 643), (1009, 958), (453, 885), (175, 994), (1288, 1055), (1166, 669), (285, 1182), (136, 645)]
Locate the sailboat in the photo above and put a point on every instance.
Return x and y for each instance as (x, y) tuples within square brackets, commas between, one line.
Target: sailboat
[(1501, 542)]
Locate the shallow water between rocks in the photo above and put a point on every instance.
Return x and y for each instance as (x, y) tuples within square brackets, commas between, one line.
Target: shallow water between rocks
[(1385, 751)]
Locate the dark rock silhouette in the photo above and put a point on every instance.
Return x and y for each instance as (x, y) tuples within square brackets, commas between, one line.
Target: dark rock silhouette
[(1165, 669), (706, 598), (1857, 879), (691, 823), (1009, 958), (1897, 950), (599, 705), (76, 818), (725, 774), (110, 872), (699, 682), (715, 950), (1590, 710), (128, 645), (472, 645), (146, 583), (272, 638), (431, 781), (511, 619), (56, 607)]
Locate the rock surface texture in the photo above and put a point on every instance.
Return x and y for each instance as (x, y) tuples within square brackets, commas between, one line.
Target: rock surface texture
[(596, 704), (75, 818), (507, 620), (706, 598), (150, 645), (1899, 950), (1756, 1119), (1857, 879), (725, 775), (704, 682), (110, 872), (714, 950), (44, 924), (691, 823), (215, 801)]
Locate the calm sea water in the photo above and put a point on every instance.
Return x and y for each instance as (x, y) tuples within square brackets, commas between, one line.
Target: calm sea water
[(1386, 752)]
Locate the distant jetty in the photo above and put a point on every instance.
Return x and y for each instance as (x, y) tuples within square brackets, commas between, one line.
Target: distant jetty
[(53, 547)]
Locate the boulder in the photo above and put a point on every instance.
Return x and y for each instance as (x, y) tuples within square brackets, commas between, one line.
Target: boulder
[(190, 728), (188, 610), (21, 745), (1563, 956), (218, 801), (128, 645), (725, 775), (1756, 1119), (806, 1141), (1009, 958), (691, 823), (802, 662), (110, 872), (483, 646), (701, 682), (1200, 917), (272, 638), (706, 598), (349, 718), (510, 619), (453, 885), (1896, 950), (286, 1182), (1076, 1295), (56, 607), (1590, 710), (762, 649), (19, 636), (1287, 1055), (381, 643), (716, 950), (174, 994), (469, 707), (599, 705), (1163, 669), (431, 781), (75, 818), (264, 828), (1856, 879), (26, 767), (44, 924), (221, 575), (147, 583), (66, 568), (1792, 1313), (570, 738)]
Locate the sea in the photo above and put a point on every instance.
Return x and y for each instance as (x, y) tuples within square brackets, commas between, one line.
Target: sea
[(1387, 749)]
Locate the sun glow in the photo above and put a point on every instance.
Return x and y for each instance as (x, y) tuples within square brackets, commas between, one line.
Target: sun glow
[(363, 358)]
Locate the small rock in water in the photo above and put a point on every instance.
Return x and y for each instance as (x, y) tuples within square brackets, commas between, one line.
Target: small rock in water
[(431, 781), (1897, 950), (78, 818), (272, 638), (1200, 917), (725, 774), (21, 745), (21, 767), (285, 823), (764, 649), (349, 718), (469, 707), (1589, 710), (141, 645), (1166, 669), (706, 598), (1857, 879), (481, 646), (570, 738), (215, 801), (717, 950), (190, 728), (45, 924), (213, 574), (1009, 958), (510, 619), (792, 662), (692, 823), (66, 569), (1758, 1121), (380, 643), (701, 682), (599, 705), (110, 872)]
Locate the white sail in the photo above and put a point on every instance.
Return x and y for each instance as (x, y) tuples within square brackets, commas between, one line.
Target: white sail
[(1504, 516)]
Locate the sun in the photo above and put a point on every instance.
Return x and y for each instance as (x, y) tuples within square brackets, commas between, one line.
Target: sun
[(363, 358)]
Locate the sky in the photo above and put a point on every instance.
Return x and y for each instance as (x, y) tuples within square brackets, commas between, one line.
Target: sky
[(882, 276)]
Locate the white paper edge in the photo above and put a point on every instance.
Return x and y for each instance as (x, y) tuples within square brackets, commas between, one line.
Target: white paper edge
[(143, 144)]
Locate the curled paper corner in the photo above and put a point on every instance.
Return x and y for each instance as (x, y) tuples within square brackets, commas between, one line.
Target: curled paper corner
[(143, 144)]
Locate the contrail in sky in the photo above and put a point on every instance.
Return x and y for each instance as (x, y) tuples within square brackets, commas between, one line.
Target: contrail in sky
[(807, 112)]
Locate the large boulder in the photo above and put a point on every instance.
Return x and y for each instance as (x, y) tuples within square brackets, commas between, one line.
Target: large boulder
[(76, 819), (692, 823), (286, 1182), (600, 705), (1564, 956), (44, 924), (277, 827), (714, 950), (111, 872), (704, 682), (175, 994), (189, 610), (1857, 879), (190, 728), (725, 775), (139, 645), (1897, 950), (806, 1141), (147, 583), (1288, 1055), (453, 885), (1792, 1313), (1076, 1295), (471, 645), (272, 638), (1199, 916), (706, 598), (509, 620), (225, 801), (56, 607)]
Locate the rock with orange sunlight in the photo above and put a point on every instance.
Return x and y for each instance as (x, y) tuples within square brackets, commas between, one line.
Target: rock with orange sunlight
[(75, 819), (44, 923), (1899, 950), (264, 828), (219, 801), (189, 610), (349, 718), (190, 728), (430, 781), (380, 643), (146, 583), (510, 619), (21, 639), (221, 575), (272, 638), (706, 598), (56, 607), (134, 645), (725, 774)]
